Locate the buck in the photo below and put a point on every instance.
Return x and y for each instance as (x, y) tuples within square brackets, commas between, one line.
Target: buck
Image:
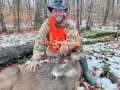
[(68, 68), (18, 78)]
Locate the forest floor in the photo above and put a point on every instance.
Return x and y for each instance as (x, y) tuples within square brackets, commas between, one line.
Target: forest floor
[(99, 56)]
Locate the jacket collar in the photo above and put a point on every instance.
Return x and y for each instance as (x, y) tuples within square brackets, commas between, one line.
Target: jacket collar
[(63, 22)]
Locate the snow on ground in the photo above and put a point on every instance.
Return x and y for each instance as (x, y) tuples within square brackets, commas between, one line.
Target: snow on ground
[(105, 29), (99, 27), (112, 47), (16, 39)]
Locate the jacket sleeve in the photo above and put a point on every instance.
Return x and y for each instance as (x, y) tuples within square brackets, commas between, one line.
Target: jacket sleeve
[(38, 49), (71, 31)]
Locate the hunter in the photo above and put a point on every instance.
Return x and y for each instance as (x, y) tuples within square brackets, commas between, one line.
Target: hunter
[(59, 30)]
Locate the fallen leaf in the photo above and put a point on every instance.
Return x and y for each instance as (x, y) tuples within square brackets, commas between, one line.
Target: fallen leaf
[(116, 62), (93, 72), (90, 58)]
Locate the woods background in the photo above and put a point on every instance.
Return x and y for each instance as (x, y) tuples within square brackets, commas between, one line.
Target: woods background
[(17, 15)]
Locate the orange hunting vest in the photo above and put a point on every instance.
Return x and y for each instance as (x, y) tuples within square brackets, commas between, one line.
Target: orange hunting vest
[(55, 33)]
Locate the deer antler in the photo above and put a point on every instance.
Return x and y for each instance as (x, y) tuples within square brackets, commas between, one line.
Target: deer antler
[(75, 43), (46, 41), (67, 43)]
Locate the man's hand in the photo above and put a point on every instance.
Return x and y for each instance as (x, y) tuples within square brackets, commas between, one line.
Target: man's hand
[(33, 65)]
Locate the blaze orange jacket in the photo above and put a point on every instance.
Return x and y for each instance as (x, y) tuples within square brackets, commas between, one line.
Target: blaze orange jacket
[(55, 33)]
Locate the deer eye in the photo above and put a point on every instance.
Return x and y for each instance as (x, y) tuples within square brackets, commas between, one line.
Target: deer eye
[(65, 61)]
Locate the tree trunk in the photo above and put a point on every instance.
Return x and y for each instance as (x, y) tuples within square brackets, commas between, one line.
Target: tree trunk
[(73, 3), (118, 1), (45, 9), (119, 22), (90, 16), (113, 8), (18, 15), (30, 13), (14, 13), (10, 7), (81, 12), (38, 14), (106, 13), (14, 53), (2, 23), (66, 4), (78, 15)]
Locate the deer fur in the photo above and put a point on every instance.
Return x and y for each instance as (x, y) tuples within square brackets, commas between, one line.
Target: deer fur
[(69, 69), (18, 78)]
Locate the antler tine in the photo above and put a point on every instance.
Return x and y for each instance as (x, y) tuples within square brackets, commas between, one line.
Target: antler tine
[(50, 37), (73, 36), (74, 39), (79, 38), (46, 41)]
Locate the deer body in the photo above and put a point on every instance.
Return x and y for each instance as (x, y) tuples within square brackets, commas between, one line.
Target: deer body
[(18, 78)]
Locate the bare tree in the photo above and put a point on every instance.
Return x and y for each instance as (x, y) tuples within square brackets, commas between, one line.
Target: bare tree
[(78, 15), (30, 12), (113, 1), (118, 1), (10, 7), (106, 13), (73, 5), (38, 14), (14, 13), (66, 4), (2, 23), (81, 12), (90, 16), (18, 15), (45, 9)]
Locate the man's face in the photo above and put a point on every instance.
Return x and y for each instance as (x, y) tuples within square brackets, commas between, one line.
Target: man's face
[(58, 14)]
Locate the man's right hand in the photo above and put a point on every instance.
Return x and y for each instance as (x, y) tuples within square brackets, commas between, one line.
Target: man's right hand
[(33, 65)]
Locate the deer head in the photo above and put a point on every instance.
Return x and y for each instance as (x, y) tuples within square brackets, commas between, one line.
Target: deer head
[(67, 65)]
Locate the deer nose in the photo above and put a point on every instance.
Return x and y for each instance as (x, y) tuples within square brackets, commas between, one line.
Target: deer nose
[(52, 77)]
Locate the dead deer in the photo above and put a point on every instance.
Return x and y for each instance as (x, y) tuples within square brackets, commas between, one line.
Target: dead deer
[(18, 78)]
